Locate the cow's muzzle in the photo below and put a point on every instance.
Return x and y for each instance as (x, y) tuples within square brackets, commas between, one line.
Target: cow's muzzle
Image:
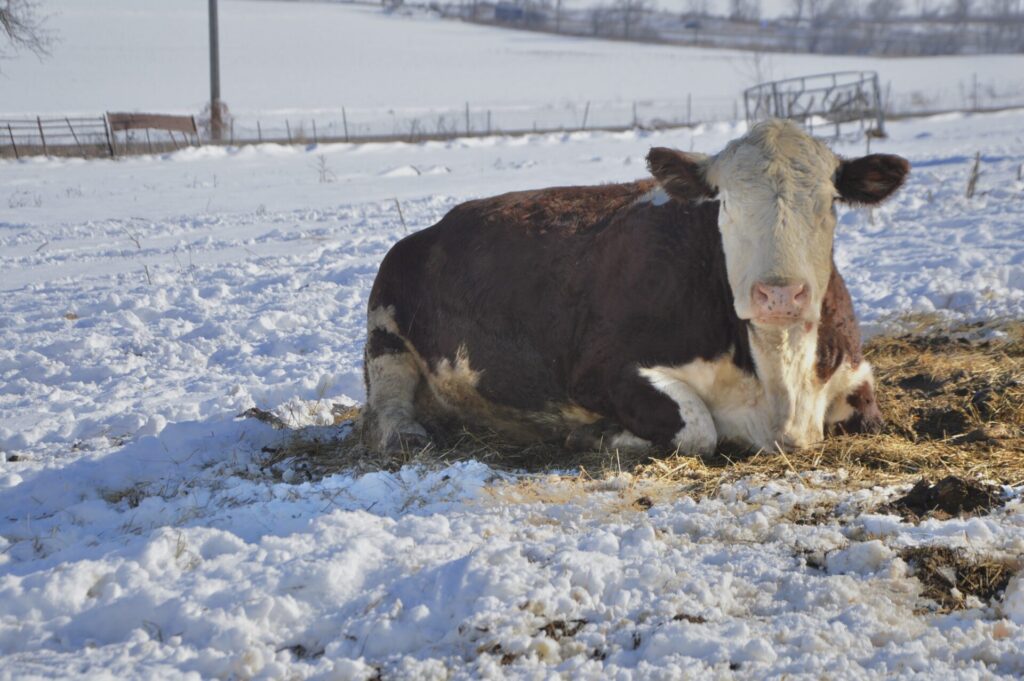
[(779, 305)]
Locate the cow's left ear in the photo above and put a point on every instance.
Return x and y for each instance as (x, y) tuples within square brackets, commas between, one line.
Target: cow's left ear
[(680, 175), (871, 179)]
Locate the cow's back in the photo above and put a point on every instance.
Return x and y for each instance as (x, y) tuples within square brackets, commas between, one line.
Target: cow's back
[(501, 283), (544, 300)]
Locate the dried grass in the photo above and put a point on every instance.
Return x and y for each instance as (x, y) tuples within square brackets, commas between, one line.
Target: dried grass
[(953, 399), (950, 577)]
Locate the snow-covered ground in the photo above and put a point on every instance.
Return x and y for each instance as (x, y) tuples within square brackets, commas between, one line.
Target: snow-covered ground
[(145, 302), (301, 61)]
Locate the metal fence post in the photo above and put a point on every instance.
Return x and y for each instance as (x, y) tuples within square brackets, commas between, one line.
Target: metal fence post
[(73, 135), (879, 109), (42, 136), (14, 144)]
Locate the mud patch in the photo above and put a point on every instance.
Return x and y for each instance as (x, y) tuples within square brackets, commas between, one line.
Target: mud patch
[(949, 497), (942, 423), (921, 382), (954, 580)]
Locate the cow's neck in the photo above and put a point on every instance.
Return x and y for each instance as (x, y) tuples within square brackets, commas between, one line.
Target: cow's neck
[(793, 401)]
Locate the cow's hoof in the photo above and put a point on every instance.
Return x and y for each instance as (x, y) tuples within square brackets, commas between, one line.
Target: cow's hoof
[(411, 440)]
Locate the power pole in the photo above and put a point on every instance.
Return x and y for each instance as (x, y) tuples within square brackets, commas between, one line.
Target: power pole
[(216, 123)]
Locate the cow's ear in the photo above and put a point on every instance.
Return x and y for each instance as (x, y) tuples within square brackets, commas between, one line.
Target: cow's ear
[(871, 179), (680, 175)]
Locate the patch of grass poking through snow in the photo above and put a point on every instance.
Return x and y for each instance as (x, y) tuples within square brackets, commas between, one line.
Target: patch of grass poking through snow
[(952, 397), (954, 579)]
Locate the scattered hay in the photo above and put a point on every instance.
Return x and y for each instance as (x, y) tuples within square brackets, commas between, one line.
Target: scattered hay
[(556, 630), (131, 496), (953, 400), (953, 578), (264, 416), (692, 619)]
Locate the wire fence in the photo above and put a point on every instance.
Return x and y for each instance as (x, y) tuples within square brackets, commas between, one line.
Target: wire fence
[(467, 119), (95, 136), (90, 136)]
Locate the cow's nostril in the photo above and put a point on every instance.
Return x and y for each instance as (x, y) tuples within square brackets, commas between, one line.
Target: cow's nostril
[(786, 300)]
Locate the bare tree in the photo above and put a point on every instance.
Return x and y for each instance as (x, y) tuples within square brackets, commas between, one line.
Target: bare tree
[(838, 10), (22, 28), (1004, 8), (699, 8), (815, 10), (631, 11), (744, 10), (798, 10), (883, 11), (960, 10)]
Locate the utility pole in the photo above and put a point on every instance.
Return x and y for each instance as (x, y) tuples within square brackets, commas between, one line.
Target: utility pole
[(216, 123)]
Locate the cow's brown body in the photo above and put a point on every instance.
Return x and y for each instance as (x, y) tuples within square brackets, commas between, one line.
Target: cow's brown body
[(531, 313)]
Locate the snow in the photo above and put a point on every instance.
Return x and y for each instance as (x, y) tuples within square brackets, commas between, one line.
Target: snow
[(145, 302), (304, 61)]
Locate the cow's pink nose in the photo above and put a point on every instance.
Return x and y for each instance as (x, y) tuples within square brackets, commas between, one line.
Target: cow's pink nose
[(779, 303)]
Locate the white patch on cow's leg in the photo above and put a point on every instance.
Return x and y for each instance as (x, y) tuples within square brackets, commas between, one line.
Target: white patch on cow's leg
[(393, 375), (698, 434), (390, 397), (626, 441)]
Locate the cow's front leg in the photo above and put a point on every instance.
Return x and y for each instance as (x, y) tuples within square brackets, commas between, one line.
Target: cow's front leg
[(664, 411)]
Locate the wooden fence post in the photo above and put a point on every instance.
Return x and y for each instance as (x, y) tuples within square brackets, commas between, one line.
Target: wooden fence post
[(467, 118), (149, 142), (344, 122), (42, 135), (14, 144), (288, 130), (110, 142), (316, 139), (586, 114), (259, 131)]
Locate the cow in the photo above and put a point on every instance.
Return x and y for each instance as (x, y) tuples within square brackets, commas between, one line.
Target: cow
[(678, 311)]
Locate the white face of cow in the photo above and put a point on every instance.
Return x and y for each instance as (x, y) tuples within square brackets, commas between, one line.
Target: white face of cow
[(776, 186)]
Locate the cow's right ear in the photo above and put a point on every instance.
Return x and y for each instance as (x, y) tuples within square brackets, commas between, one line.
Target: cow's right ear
[(681, 175)]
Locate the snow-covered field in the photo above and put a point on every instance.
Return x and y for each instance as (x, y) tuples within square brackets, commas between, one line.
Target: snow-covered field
[(146, 302), (301, 61)]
